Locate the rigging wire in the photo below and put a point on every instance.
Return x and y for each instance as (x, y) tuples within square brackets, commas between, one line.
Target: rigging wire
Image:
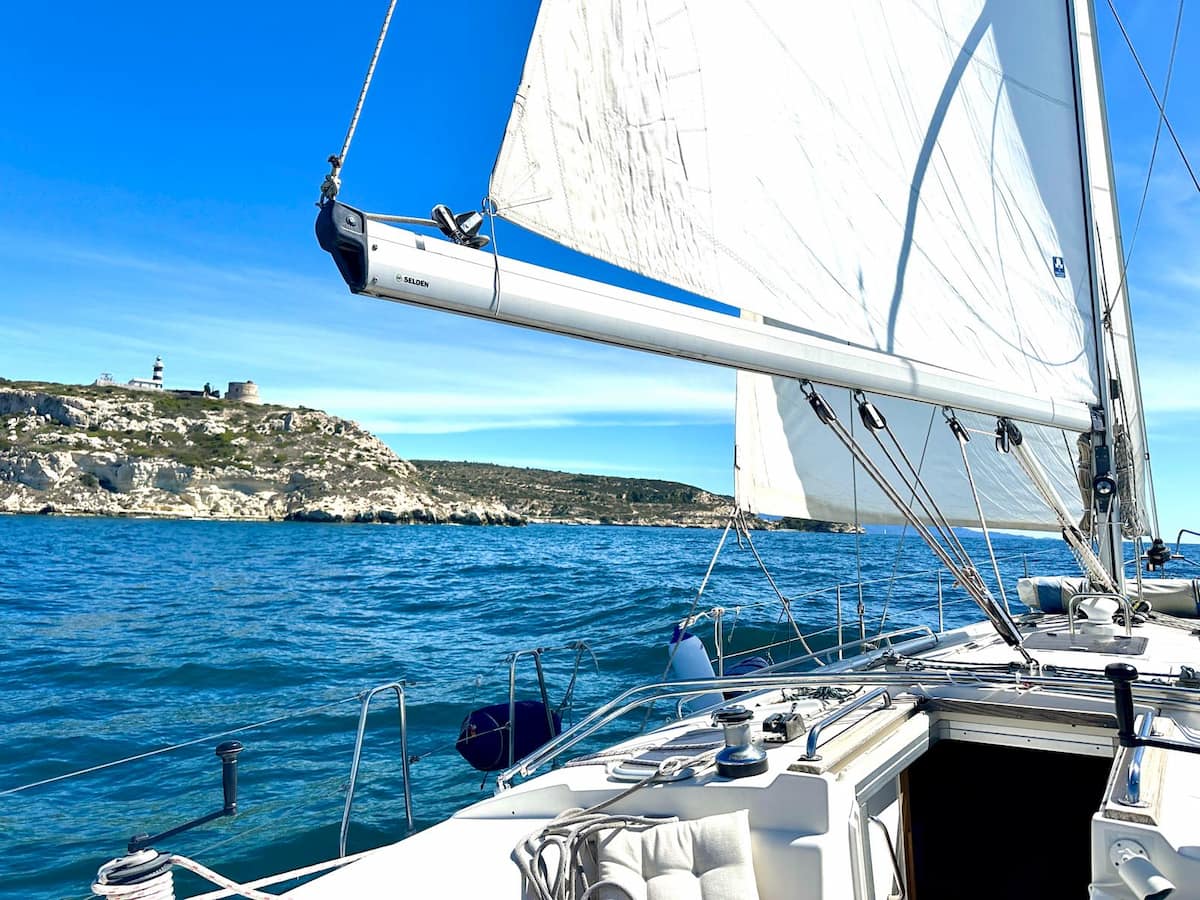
[(1153, 150), (712, 563), (887, 600), (1154, 94), (965, 573), (913, 480), (862, 609), (200, 740), (784, 602), (987, 536)]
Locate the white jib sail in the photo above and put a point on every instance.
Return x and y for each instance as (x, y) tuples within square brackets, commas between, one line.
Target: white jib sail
[(902, 177), (788, 463)]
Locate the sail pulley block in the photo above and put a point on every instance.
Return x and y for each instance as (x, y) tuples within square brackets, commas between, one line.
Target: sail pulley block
[(1008, 435), (818, 403), (956, 427), (871, 417), (1104, 488), (463, 228)]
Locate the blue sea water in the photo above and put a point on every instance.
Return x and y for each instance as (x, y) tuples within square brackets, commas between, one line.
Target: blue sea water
[(122, 636)]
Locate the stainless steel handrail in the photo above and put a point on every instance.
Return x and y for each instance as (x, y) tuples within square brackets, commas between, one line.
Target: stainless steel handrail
[(1120, 598), (814, 733), (1179, 537), (367, 696), (1133, 779), (1085, 685), (536, 652), (828, 652)]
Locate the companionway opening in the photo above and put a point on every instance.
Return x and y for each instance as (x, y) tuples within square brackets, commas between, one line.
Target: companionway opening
[(986, 821)]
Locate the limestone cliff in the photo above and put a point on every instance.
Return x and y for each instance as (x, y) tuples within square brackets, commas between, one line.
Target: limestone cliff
[(112, 451), (108, 450)]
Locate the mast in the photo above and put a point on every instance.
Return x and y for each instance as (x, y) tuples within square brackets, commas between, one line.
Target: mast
[(1106, 496)]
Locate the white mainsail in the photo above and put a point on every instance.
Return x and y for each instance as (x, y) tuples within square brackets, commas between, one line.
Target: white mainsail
[(901, 177)]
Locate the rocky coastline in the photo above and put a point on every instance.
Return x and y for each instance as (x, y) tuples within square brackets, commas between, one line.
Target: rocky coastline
[(105, 450), (109, 451)]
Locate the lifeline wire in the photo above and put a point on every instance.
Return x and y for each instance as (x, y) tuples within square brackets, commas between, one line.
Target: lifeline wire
[(161, 750)]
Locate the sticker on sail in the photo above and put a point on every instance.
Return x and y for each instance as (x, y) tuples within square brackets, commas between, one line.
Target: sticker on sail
[(1060, 266)]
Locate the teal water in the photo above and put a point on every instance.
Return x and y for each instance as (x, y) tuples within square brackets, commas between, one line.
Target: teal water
[(123, 636)]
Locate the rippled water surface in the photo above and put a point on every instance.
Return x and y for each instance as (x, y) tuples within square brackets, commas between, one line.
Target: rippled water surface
[(123, 636)]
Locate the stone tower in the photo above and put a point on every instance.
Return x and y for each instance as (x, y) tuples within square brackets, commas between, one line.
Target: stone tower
[(243, 391)]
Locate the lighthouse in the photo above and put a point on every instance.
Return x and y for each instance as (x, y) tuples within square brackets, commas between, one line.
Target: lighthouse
[(154, 383)]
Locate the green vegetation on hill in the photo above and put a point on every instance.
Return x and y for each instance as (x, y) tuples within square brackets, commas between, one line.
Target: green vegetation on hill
[(545, 495), (65, 447)]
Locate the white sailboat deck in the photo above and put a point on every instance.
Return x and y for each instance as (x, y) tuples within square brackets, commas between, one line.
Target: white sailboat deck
[(818, 825)]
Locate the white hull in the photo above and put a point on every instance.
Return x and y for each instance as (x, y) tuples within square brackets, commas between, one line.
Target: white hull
[(987, 783)]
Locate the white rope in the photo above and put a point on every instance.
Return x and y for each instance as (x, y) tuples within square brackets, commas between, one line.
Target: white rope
[(290, 875), (162, 885), (333, 181), (567, 839), (1088, 560)]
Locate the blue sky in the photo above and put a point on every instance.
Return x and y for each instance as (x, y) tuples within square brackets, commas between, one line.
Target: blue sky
[(160, 163)]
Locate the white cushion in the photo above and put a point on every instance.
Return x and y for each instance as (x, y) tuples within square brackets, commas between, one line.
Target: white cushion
[(704, 859)]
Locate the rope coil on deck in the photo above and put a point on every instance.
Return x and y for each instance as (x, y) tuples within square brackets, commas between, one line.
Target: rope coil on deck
[(569, 834), (146, 875)]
